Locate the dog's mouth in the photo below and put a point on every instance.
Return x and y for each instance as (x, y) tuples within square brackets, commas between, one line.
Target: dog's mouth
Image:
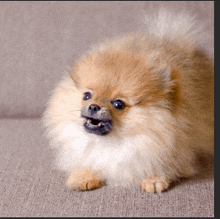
[(97, 126)]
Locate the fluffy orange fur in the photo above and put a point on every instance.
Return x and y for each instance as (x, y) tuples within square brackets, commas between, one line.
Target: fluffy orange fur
[(167, 85)]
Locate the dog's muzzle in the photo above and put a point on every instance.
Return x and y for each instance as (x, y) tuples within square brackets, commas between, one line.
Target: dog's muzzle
[(99, 127), (96, 124)]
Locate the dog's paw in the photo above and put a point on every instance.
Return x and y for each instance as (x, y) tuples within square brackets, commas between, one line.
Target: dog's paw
[(83, 180), (155, 184)]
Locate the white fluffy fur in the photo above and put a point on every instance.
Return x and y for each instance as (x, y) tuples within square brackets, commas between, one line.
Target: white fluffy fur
[(120, 160)]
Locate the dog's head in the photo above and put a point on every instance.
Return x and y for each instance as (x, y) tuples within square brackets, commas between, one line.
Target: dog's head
[(112, 83)]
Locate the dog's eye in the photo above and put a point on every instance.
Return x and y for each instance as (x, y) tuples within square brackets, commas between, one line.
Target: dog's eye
[(118, 104), (87, 96)]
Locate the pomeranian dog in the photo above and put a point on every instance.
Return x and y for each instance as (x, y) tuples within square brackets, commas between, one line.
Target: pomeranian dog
[(135, 109)]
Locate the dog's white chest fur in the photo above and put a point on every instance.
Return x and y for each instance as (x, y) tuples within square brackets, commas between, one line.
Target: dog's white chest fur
[(118, 160)]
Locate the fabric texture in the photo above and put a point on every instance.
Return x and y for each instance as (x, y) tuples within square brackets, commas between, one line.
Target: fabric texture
[(31, 187), (39, 42)]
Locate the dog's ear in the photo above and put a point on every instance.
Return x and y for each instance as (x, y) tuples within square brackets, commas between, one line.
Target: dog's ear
[(164, 71), (170, 84), (164, 75), (74, 76)]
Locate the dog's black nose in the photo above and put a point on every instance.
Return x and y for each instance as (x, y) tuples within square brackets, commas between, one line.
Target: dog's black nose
[(93, 108)]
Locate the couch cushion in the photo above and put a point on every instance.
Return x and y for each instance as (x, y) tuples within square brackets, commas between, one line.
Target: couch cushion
[(30, 187), (40, 40)]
